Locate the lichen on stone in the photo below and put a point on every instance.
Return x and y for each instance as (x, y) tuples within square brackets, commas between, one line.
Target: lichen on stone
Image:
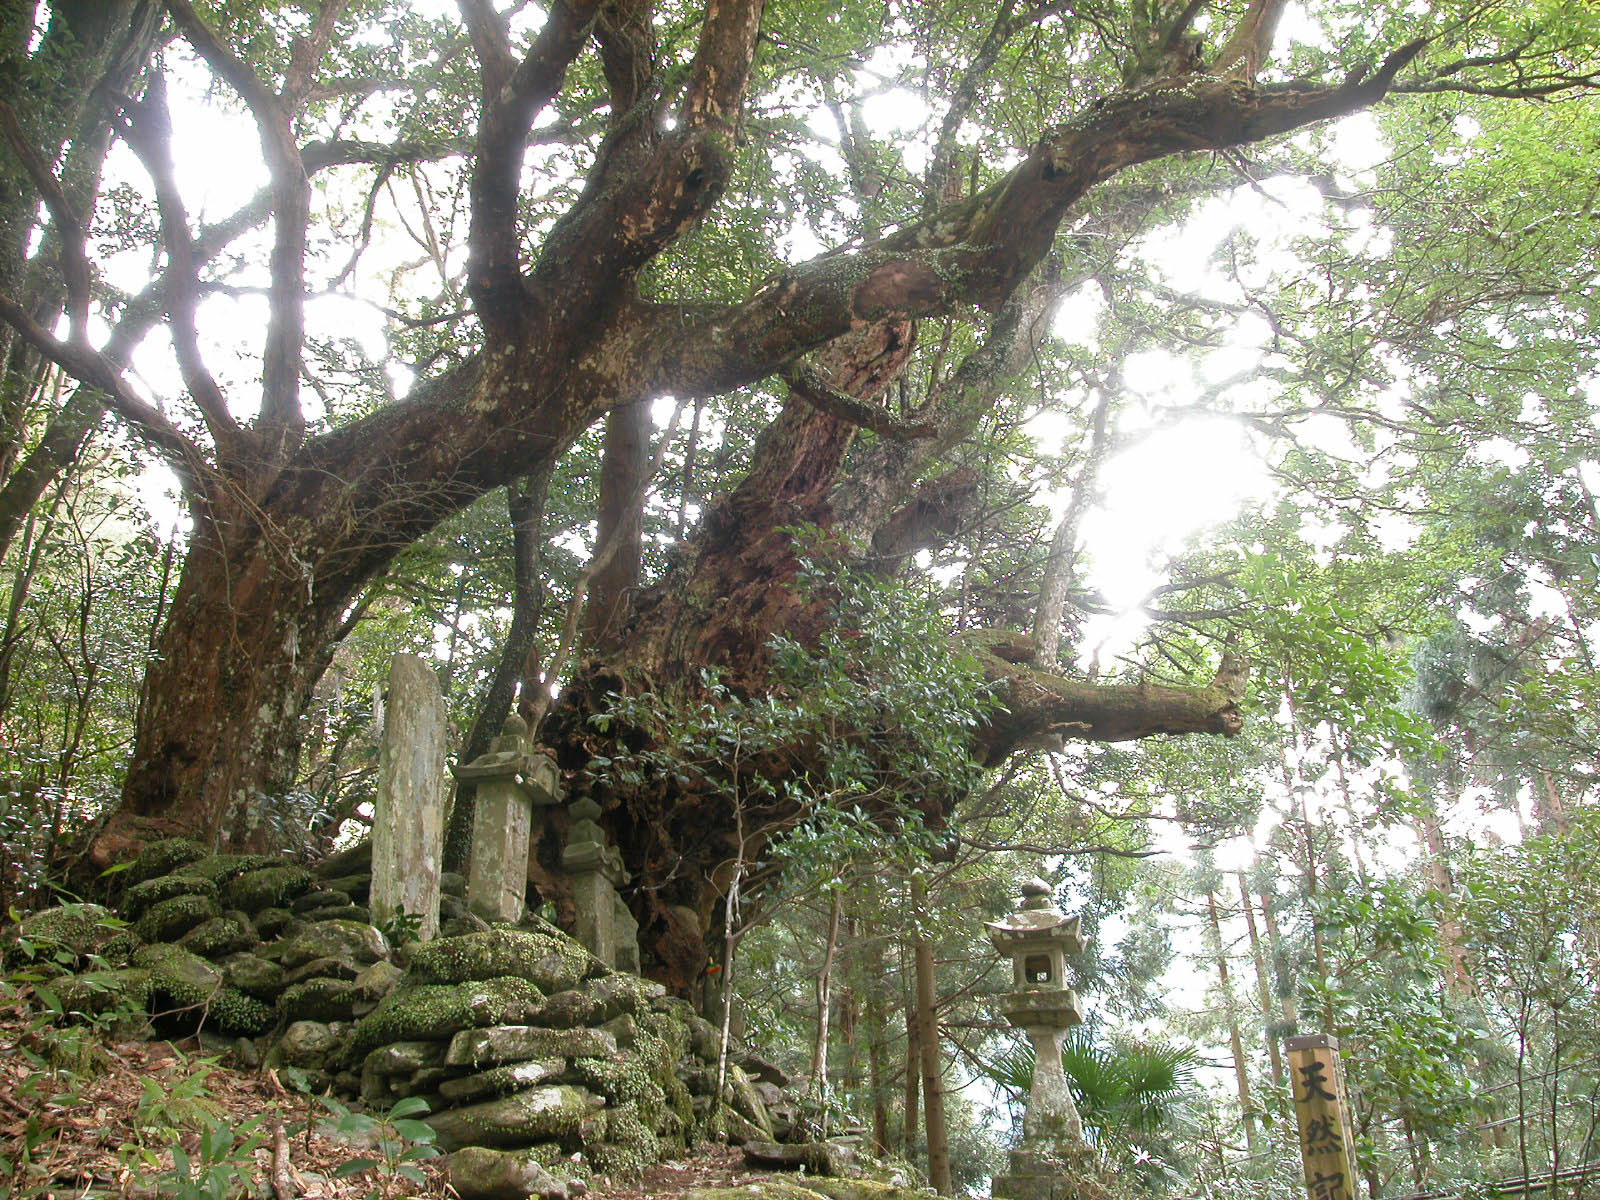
[(186, 983), (141, 897), (553, 963), (266, 887), (164, 857), (173, 918), (219, 936), (420, 1012)]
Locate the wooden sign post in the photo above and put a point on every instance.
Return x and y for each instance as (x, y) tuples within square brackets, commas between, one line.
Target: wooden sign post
[(1327, 1149)]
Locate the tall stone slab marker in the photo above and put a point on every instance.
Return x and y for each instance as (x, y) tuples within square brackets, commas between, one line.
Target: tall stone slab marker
[(1327, 1150), (409, 817)]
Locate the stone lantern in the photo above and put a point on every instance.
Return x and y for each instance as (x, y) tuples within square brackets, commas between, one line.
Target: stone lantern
[(1037, 938), (512, 780)]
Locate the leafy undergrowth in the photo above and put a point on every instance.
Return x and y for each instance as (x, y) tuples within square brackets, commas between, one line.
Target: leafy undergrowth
[(86, 1115)]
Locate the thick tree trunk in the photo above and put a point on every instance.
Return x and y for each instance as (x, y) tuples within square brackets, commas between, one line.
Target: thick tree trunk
[(220, 709)]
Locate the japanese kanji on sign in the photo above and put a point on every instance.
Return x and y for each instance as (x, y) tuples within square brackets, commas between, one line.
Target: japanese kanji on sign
[(1326, 1147)]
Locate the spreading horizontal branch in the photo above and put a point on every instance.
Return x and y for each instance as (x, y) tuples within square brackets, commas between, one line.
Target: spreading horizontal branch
[(808, 386), (1042, 709)]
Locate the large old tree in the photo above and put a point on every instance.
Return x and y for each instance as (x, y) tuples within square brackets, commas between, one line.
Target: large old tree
[(585, 301)]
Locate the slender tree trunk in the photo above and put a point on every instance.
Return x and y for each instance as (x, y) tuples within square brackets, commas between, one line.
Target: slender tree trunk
[(819, 1047), (623, 484), (1452, 934), (1283, 979), (928, 1048), (1263, 984), (877, 1037), (911, 1108), (1241, 1069)]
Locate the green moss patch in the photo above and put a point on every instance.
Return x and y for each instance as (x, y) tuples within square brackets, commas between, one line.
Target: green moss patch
[(173, 918), (552, 963), (431, 1011), (183, 981), (140, 898), (219, 868), (220, 936), (164, 857), (540, 1114), (266, 887)]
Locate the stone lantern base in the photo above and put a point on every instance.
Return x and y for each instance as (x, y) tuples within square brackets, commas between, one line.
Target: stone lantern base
[(1059, 1173)]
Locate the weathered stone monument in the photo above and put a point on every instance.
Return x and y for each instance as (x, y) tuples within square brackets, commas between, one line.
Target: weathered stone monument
[(512, 780), (1053, 1162), (409, 813), (605, 925)]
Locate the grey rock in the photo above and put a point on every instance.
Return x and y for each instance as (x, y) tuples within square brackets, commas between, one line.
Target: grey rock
[(479, 1173), (541, 1114), (501, 1081), (402, 1058), (308, 1044), (520, 1043), (333, 939), (253, 974)]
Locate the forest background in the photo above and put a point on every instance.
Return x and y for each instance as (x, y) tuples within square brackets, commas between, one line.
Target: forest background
[(1346, 375)]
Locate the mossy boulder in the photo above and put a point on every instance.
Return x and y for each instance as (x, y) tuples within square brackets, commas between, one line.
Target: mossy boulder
[(620, 1077), (318, 1000), (402, 1058), (521, 1043), (220, 936), (275, 923), (171, 919), (163, 858), (356, 887), (479, 1173), (428, 1011), (95, 993), (338, 967), (620, 995), (358, 913), (867, 1189), (306, 1044), (760, 1189), (141, 897), (67, 935), (550, 962), (265, 887), (220, 868), (253, 974), (319, 898), (630, 1144), (184, 981), (353, 940), (541, 1114)]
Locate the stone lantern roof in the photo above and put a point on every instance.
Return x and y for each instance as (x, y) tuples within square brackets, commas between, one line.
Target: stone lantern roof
[(1038, 926)]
